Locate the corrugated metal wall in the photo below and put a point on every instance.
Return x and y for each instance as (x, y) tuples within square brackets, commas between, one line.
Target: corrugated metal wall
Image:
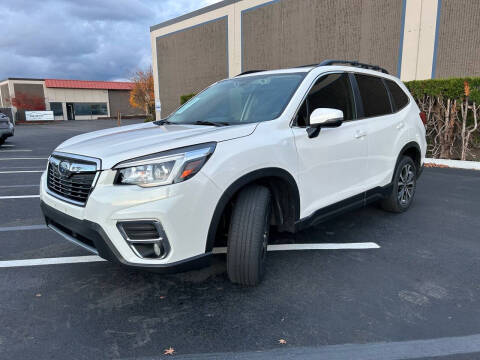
[(291, 33), (190, 60), (288, 33), (458, 48)]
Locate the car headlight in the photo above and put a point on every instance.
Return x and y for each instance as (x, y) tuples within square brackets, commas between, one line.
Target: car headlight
[(164, 168)]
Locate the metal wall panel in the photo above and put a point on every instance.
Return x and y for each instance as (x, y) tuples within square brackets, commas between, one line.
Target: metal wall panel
[(119, 102), (190, 60), (458, 43), (291, 33)]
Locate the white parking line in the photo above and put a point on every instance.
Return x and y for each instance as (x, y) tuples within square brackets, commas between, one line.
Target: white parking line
[(23, 158), (50, 261), (322, 246), (19, 150), (218, 250), (7, 146), (23, 227), (21, 171), (19, 197)]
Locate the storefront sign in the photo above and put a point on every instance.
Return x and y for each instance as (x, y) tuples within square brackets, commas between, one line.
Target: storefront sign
[(39, 115)]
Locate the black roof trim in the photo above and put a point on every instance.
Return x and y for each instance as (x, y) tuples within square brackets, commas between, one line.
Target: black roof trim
[(193, 14), (353, 63), (249, 72), (29, 79)]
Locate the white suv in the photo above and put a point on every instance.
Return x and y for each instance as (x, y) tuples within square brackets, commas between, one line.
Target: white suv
[(285, 149)]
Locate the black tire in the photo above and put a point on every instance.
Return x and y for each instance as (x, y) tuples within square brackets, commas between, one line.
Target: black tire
[(2, 140), (404, 186), (248, 236)]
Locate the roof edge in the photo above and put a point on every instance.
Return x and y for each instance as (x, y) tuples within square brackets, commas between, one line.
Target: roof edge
[(14, 78), (89, 84), (193, 14)]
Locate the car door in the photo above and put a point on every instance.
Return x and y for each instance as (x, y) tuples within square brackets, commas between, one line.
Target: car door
[(333, 165), (385, 128)]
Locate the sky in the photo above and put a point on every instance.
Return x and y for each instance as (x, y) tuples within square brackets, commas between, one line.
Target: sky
[(82, 39)]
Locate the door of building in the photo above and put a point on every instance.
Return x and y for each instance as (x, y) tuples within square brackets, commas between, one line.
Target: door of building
[(70, 111)]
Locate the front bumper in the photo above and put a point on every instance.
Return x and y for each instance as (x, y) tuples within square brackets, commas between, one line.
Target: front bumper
[(184, 210), (92, 237), (7, 132)]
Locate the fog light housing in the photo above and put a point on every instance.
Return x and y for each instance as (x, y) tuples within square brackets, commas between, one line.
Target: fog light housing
[(146, 238)]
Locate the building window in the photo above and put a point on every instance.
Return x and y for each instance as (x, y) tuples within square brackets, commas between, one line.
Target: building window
[(91, 109), (57, 108)]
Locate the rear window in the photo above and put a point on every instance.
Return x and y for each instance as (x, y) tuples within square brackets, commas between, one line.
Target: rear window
[(374, 95), (400, 99)]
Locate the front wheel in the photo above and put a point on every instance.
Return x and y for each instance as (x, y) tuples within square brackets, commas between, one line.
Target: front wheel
[(404, 186), (248, 236)]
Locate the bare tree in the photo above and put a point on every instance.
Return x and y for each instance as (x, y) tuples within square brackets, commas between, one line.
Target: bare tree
[(467, 131)]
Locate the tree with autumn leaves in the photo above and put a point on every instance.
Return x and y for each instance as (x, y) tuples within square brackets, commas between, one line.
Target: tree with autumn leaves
[(142, 96), (28, 102)]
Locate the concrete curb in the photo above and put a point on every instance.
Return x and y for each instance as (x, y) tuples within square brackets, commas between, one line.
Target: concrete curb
[(457, 164)]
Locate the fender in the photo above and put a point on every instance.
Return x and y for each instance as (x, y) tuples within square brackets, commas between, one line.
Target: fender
[(246, 179), (405, 148)]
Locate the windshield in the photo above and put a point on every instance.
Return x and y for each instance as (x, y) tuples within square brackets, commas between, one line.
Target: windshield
[(240, 100)]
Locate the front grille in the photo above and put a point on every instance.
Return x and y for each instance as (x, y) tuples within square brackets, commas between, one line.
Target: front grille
[(71, 178)]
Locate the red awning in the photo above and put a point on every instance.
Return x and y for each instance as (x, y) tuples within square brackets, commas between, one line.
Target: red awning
[(82, 84)]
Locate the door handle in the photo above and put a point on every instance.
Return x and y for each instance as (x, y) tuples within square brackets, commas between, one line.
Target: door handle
[(401, 125), (360, 134)]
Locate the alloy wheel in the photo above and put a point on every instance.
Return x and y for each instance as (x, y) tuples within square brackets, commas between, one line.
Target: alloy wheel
[(406, 185)]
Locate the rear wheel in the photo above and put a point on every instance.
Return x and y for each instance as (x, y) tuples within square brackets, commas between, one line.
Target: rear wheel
[(2, 140), (248, 236), (404, 186)]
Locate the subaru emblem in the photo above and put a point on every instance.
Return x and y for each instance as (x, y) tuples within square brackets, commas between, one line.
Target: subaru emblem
[(64, 168)]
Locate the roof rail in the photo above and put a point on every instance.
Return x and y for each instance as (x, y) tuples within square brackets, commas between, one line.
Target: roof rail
[(353, 63), (308, 65), (249, 72)]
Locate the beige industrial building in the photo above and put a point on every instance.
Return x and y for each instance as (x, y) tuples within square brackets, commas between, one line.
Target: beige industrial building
[(413, 39), (68, 99)]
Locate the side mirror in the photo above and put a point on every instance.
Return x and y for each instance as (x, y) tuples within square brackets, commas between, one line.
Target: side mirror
[(324, 117)]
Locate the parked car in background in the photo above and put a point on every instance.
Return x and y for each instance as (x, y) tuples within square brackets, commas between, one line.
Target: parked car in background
[(284, 148), (7, 128)]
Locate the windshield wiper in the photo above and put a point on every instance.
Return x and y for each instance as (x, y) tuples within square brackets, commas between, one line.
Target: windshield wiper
[(210, 123), (162, 122)]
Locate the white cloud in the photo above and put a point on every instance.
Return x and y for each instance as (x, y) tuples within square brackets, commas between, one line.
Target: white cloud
[(91, 39)]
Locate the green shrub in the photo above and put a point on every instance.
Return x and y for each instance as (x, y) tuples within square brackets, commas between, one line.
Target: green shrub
[(447, 88), (452, 107), (185, 98)]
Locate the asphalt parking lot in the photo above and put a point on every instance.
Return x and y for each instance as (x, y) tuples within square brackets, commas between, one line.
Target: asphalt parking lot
[(415, 296)]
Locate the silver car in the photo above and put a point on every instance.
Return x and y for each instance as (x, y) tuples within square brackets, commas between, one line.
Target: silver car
[(7, 128)]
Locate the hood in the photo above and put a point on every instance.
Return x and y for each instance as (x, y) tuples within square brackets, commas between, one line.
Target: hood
[(126, 142)]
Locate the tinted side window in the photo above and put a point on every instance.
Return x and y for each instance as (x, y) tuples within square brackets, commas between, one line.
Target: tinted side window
[(332, 91), (302, 115), (374, 95), (400, 99)]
